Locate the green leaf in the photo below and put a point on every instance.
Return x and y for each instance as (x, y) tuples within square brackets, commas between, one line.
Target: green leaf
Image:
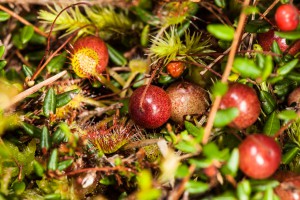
[(251, 10), (268, 194), (49, 106), (220, 3), (65, 98), (246, 67), (233, 162), (19, 187), (290, 155), (38, 168), (285, 69), (225, 116), (64, 164), (268, 101), (272, 125), (27, 71), (4, 16), (31, 130), (26, 34), (268, 68), (186, 146), (287, 115), (219, 89), (53, 160), (115, 56), (220, 31), (182, 171), (2, 64), (255, 26), (45, 141), (196, 187), (244, 190), (2, 50), (294, 35), (145, 36), (193, 130), (56, 64), (263, 185)]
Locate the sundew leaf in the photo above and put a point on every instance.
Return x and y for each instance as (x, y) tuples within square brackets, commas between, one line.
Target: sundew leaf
[(220, 31), (246, 67), (272, 124), (225, 116)]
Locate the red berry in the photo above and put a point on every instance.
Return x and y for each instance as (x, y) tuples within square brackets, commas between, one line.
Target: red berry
[(90, 56), (289, 188), (266, 39), (260, 156), (155, 109), (245, 99), (187, 99), (287, 17), (175, 68)]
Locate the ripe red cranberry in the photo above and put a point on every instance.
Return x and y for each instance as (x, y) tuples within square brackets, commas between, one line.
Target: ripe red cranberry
[(266, 39), (294, 97), (245, 99), (175, 68), (260, 156), (89, 56), (287, 17), (155, 109), (186, 99)]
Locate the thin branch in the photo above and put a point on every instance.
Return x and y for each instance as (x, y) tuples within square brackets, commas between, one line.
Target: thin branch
[(226, 73), (34, 89), (22, 20)]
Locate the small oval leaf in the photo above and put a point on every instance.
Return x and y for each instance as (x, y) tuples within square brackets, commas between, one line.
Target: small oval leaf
[(285, 69), (4, 16), (49, 106), (224, 117), (246, 67), (220, 31), (26, 34)]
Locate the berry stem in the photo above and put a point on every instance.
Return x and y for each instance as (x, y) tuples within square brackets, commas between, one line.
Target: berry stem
[(234, 46)]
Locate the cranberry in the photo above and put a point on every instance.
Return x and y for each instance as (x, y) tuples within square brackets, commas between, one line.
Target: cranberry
[(287, 17), (175, 68), (155, 109), (245, 99), (187, 99), (294, 97), (289, 188), (89, 56), (260, 156), (266, 40)]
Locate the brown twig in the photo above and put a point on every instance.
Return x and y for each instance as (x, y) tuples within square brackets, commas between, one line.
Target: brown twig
[(177, 192), (226, 73), (22, 20), (34, 89)]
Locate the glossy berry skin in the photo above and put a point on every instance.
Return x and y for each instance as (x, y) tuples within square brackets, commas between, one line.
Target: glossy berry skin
[(287, 17), (89, 56), (266, 39), (155, 110), (187, 99), (260, 156), (175, 68), (245, 99)]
